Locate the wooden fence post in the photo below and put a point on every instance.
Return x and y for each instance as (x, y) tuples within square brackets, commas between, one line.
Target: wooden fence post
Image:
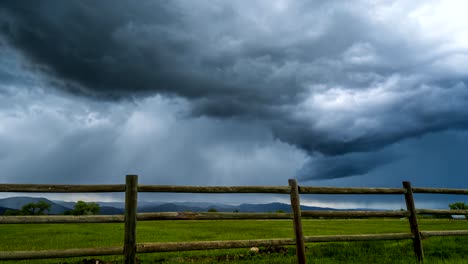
[(413, 221), (296, 208), (131, 196)]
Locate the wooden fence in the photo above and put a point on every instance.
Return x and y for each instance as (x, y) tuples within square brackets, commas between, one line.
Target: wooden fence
[(131, 247)]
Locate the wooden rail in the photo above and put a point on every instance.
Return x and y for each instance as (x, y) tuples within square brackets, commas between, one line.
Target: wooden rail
[(442, 212), (440, 190), (44, 188), (343, 190), (349, 214), (214, 189), (48, 219), (426, 234), (130, 246), (203, 245), (64, 253)]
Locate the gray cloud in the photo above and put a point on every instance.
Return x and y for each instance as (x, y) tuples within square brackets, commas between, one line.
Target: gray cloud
[(337, 80), (48, 138), (344, 165)]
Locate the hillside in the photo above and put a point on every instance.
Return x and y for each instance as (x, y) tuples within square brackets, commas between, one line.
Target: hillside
[(18, 202)]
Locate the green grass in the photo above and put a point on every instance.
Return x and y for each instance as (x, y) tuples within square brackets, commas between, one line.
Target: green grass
[(62, 236)]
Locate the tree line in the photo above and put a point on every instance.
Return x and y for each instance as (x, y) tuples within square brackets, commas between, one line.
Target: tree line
[(43, 208)]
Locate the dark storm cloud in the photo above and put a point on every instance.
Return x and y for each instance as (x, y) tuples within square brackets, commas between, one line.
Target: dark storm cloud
[(344, 165), (155, 47), (339, 81)]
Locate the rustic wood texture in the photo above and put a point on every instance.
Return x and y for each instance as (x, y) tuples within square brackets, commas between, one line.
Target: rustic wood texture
[(131, 196), (64, 253), (426, 234), (210, 216), (47, 219), (204, 245), (440, 190), (54, 188), (346, 190), (442, 212), (214, 189), (355, 214), (370, 237), (413, 221), (296, 209)]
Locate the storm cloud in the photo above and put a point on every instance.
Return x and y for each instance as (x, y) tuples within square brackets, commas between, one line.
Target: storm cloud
[(339, 81)]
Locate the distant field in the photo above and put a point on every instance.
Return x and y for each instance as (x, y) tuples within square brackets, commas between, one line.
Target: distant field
[(61, 236)]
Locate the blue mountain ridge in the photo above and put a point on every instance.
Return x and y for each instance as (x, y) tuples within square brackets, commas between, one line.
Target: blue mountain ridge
[(59, 207)]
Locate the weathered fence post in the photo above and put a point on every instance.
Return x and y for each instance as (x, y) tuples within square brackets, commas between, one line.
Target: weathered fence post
[(413, 221), (296, 208), (131, 194)]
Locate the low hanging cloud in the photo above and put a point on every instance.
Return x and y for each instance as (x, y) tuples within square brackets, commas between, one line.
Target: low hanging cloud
[(344, 165), (340, 81)]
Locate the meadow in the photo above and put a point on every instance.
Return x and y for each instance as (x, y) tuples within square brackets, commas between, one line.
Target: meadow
[(62, 236)]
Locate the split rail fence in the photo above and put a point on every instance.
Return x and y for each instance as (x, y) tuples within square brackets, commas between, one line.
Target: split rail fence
[(130, 246)]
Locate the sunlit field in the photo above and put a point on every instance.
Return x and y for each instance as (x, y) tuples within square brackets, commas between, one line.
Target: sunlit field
[(62, 236)]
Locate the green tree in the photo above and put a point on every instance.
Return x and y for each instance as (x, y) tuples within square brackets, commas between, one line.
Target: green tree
[(12, 212), (83, 208), (38, 208), (458, 206), (212, 210)]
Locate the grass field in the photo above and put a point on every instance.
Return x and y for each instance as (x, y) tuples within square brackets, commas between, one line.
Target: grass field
[(62, 236)]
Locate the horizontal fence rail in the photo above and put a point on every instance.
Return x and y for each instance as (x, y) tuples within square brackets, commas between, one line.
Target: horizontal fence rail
[(440, 190), (214, 189), (44, 188), (38, 219), (203, 245), (131, 247), (342, 190), (425, 234), (350, 214), (370, 237), (63, 253), (49, 219), (211, 216), (442, 212)]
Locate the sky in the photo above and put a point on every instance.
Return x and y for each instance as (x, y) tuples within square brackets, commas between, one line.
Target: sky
[(332, 93)]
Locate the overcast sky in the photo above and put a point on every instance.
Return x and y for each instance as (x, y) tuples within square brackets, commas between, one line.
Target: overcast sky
[(333, 93)]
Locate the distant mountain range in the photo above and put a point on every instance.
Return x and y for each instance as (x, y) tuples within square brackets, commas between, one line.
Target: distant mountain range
[(115, 208), (203, 207)]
